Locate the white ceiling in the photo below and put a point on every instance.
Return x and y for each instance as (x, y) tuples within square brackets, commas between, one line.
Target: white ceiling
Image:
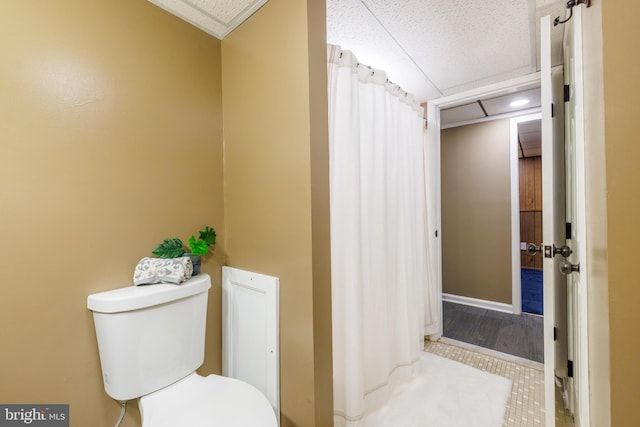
[(434, 48), (431, 48), (216, 17)]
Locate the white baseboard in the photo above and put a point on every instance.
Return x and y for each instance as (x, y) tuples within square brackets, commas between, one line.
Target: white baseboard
[(481, 303)]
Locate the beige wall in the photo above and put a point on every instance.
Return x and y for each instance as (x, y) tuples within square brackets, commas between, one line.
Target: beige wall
[(110, 141), (622, 127), (476, 211), (320, 223), (276, 205)]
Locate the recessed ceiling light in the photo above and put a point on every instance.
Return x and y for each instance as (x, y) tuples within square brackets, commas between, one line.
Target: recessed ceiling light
[(519, 103)]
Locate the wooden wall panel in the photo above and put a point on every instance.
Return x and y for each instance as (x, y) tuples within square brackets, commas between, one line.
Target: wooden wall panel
[(537, 177), (530, 172), (522, 173), (530, 184), (531, 232)]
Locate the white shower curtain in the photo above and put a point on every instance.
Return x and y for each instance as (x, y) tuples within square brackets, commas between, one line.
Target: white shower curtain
[(378, 235)]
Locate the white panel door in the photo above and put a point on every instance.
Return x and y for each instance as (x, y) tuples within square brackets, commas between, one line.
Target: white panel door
[(553, 216), (577, 385), (250, 325)]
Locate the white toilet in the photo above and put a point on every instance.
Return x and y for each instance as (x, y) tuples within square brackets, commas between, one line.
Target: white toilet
[(151, 341)]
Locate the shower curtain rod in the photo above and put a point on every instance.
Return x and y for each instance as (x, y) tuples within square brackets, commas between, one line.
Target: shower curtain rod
[(373, 71)]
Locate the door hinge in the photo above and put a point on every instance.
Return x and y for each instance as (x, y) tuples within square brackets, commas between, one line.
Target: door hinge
[(570, 368), (552, 112), (567, 93), (568, 231), (555, 333)]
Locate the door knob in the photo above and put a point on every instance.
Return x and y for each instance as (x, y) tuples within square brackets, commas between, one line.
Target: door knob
[(532, 248), (565, 251), (566, 267), (551, 251)]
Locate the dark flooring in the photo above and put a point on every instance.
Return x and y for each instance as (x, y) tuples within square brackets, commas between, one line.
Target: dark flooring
[(532, 291), (518, 335)]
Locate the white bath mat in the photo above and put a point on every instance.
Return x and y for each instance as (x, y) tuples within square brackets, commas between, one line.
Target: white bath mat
[(446, 394)]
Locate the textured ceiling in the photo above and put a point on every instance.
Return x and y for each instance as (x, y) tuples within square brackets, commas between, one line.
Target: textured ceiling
[(436, 48), (529, 138), (499, 106), (431, 48), (216, 17)]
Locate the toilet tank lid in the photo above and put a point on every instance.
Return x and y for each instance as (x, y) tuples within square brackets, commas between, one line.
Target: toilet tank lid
[(137, 297)]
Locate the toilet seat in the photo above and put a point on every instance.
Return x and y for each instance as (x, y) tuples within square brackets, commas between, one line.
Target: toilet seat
[(212, 401)]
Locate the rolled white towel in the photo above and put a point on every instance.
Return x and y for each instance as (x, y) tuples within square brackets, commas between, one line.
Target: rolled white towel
[(160, 270)]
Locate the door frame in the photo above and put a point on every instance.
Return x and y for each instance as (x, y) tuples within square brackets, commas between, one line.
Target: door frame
[(434, 141), (434, 175), (516, 282)]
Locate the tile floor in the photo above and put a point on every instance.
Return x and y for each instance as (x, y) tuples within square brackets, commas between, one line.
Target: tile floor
[(525, 407)]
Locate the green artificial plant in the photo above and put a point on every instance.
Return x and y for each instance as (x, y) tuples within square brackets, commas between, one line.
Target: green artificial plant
[(174, 248)]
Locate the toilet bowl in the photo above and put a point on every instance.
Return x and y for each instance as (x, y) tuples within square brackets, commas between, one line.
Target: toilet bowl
[(151, 341), (197, 401)]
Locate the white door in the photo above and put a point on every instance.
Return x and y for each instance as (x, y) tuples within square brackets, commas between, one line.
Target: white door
[(577, 381), (553, 220)]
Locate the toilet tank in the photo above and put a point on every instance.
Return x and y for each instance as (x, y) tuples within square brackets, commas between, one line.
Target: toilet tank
[(150, 336)]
